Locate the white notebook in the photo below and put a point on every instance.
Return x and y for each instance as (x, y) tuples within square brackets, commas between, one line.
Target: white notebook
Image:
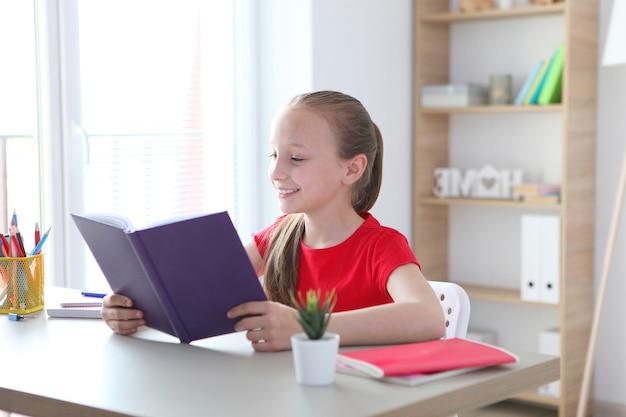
[(71, 304)]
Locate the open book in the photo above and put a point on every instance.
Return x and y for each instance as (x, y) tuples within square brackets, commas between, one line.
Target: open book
[(185, 274), (418, 363)]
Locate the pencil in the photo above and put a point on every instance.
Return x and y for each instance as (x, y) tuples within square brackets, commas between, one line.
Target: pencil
[(20, 241), (15, 241), (37, 233), (37, 248), (5, 245)]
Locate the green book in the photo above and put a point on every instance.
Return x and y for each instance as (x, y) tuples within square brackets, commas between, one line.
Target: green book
[(551, 91), (536, 83)]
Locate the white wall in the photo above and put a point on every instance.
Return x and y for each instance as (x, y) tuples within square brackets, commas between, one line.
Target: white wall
[(363, 47), (284, 67), (359, 47)]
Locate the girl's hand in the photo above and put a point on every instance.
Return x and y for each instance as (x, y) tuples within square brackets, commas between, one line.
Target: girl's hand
[(119, 316), (269, 325)]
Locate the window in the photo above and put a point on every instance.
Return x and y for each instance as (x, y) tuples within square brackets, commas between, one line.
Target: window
[(136, 103), (149, 109), (154, 111), (19, 163), (141, 104)]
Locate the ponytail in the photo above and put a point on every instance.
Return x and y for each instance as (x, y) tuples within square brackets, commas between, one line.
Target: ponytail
[(282, 259)]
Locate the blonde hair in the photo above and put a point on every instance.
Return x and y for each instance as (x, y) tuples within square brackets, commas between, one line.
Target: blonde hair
[(356, 134)]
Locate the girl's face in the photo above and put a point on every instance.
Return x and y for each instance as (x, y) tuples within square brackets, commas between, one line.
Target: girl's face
[(305, 169)]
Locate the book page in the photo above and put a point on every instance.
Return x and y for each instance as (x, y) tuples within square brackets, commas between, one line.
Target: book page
[(171, 220), (115, 220), (122, 222)]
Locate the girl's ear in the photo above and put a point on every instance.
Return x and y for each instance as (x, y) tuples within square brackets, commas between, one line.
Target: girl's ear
[(355, 168)]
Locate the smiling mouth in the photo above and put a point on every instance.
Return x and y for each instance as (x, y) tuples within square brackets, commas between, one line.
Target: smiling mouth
[(287, 192)]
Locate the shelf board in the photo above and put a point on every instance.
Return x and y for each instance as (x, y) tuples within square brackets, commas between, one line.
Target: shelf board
[(503, 295), (485, 202), (494, 109), (514, 12), (534, 397)]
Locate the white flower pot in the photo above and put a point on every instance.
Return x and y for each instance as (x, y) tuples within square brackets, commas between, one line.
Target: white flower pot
[(315, 360)]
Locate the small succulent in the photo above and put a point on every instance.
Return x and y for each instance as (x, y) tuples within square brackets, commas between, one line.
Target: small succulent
[(314, 316)]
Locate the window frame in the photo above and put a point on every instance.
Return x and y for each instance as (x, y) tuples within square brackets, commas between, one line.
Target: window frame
[(63, 144)]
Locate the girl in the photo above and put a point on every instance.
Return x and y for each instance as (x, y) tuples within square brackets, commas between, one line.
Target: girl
[(326, 167)]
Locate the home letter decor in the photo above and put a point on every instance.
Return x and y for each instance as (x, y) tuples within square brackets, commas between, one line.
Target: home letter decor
[(487, 182)]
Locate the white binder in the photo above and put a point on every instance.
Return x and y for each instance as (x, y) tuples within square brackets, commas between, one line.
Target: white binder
[(550, 278), (530, 258), (541, 258), (550, 344)]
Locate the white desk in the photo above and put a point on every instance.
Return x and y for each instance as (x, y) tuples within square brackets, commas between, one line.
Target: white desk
[(78, 367)]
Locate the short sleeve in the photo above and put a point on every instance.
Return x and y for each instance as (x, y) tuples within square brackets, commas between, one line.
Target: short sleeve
[(262, 238)]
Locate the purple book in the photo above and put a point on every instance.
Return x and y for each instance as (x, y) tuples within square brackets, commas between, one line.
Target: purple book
[(185, 274)]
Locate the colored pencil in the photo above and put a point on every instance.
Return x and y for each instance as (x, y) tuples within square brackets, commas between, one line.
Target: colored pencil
[(37, 248)]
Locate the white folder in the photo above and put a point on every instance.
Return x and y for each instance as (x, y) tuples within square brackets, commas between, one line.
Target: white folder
[(530, 258), (550, 344), (540, 258), (550, 278)]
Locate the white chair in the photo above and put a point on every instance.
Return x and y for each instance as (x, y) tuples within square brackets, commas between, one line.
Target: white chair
[(456, 307)]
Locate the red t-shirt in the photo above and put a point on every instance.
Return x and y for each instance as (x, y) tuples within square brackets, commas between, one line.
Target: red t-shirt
[(358, 268)]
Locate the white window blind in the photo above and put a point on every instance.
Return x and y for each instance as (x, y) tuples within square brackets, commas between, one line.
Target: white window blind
[(142, 75), (129, 107), (19, 167), (154, 111)]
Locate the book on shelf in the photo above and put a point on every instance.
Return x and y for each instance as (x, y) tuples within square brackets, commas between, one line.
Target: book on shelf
[(422, 362), (521, 95), (549, 198), (450, 95), (552, 87), (184, 273), (524, 190), (533, 92)]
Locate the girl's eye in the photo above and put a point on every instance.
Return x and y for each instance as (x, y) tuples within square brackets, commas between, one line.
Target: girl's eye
[(273, 155)]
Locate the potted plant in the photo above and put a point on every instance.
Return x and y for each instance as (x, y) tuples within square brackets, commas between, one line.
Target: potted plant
[(314, 350)]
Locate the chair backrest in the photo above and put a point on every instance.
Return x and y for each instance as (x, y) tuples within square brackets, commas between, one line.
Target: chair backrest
[(456, 307)]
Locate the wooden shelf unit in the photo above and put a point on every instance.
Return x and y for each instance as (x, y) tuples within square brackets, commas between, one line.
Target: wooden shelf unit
[(515, 12), (494, 109), (431, 147), (488, 203)]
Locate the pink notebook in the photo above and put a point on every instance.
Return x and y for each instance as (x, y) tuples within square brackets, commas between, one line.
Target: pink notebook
[(418, 360)]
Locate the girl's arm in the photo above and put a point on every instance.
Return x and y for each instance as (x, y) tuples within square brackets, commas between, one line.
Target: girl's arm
[(415, 315), (255, 257)]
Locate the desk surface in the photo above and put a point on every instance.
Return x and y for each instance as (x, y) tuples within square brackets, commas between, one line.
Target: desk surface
[(77, 367)]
